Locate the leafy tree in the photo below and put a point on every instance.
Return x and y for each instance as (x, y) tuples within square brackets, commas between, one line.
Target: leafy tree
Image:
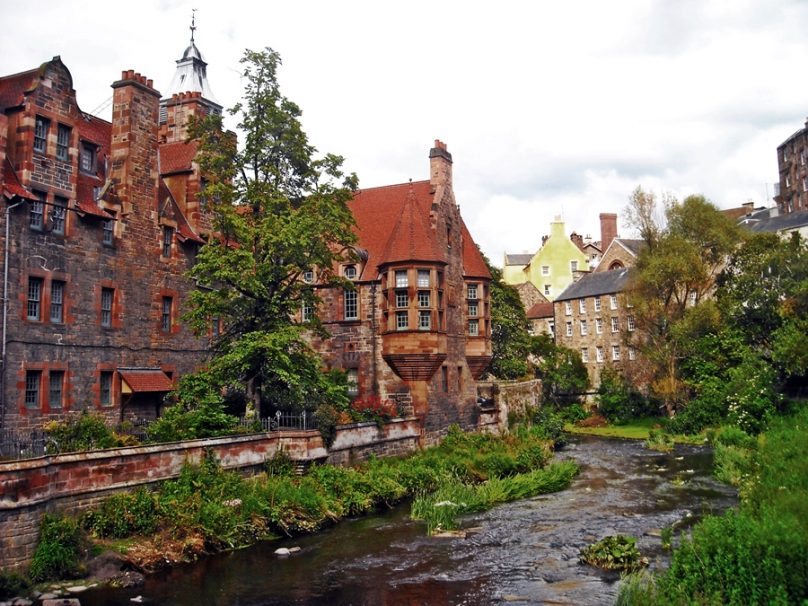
[(674, 273), (278, 212), (563, 375), (510, 340)]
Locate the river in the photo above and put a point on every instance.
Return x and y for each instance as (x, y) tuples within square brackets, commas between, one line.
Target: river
[(524, 552)]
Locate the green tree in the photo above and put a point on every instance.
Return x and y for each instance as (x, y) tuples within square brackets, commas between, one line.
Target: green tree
[(510, 340), (278, 212), (673, 275), (563, 374)]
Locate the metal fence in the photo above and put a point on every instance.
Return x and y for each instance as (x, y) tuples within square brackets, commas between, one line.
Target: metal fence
[(282, 421), (24, 445)]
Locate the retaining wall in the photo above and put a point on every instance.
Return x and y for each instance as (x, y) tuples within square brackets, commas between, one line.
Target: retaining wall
[(70, 483)]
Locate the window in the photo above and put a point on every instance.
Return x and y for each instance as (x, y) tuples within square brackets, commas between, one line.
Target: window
[(597, 304), (569, 329), (423, 278), (472, 291), (87, 158), (352, 381), (306, 312), (546, 289), (62, 142), (615, 325), (584, 329), (34, 309), (105, 388), (582, 305), (599, 326), (402, 320), (460, 379), (41, 134), (107, 297), (632, 353), (616, 353), (58, 214), (216, 326), (308, 277), (567, 308), (599, 353), (402, 300), (545, 270), (788, 180), (57, 307), (108, 235), (424, 320), (444, 378), (694, 297), (165, 318), (472, 309), (573, 266), (423, 298), (401, 279), (168, 240), (551, 327), (630, 323), (36, 215), (803, 157), (350, 272), (351, 306), (474, 328), (56, 379), (584, 355), (32, 380), (613, 301), (804, 184)]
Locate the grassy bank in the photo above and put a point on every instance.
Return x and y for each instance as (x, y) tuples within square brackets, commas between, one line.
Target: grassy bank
[(757, 554), (634, 429), (207, 510)]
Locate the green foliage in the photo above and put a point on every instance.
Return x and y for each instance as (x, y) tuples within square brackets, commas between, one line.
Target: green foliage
[(659, 440), (573, 413), (60, 548), (751, 397), (280, 465), (85, 431), (638, 589), (563, 374), (549, 425), (510, 340), (123, 515), (616, 552), (618, 400), (280, 211), (12, 585), (327, 419)]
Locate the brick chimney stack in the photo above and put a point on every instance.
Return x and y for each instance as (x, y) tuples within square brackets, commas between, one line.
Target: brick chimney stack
[(135, 106), (608, 229), (440, 166)]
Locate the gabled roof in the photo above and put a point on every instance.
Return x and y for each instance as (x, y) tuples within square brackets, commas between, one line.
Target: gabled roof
[(473, 263), (85, 196), (632, 246), (518, 259), (177, 157), (11, 183), (594, 284), (409, 238), (147, 380), (785, 222), (540, 310), (14, 87), (184, 230)]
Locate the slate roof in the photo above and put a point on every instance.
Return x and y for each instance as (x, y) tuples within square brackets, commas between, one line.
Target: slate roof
[(779, 223), (392, 225), (518, 259), (633, 246), (596, 283)]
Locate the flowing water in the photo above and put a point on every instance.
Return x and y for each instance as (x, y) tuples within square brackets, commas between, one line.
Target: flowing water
[(524, 552)]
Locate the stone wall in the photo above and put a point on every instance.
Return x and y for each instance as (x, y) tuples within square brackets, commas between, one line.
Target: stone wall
[(72, 482), (507, 397)]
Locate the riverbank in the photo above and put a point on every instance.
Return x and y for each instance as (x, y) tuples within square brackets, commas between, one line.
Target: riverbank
[(635, 429)]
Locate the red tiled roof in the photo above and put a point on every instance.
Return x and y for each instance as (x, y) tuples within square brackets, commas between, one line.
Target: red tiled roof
[(11, 183), (473, 262), (14, 87), (146, 380), (540, 310), (85, 197), (409, 239), (97, 131), (177, 157), (184, 230)]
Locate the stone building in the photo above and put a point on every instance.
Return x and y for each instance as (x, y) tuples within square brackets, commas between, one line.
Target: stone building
[(593, 318), (416, 328), (621, 253), (791, 192)]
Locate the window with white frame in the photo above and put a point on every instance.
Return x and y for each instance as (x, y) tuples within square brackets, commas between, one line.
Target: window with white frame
[(546, 289), (423, 278), (599, 353), (307, 312), (34, 306), (569, 329), (567, 308), (424, 319), (352, 381), (402, 320), (350, 305), (41, 127), (693, 297), (401, 279), (584, 355), (108, 233), (613, 301), (632, 353), (584, 330), (599, 326), (545, 270), (424, 298), (616, 353), (402, 300), (551, 327), (472, 291), (87, 155), (57, 302), (350, 272), (36, 214), (615, 324), (474, 328), (472, 309), (308, 276), (630, 323), (582, 306), (597, 304)]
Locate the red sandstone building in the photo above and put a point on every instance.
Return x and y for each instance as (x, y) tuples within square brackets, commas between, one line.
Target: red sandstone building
[(102, 220)]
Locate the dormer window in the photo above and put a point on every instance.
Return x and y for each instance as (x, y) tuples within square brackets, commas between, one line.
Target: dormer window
[(87, 158), (350, 272)]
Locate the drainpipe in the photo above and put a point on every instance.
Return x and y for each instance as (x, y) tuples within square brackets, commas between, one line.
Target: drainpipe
[(6, 246)]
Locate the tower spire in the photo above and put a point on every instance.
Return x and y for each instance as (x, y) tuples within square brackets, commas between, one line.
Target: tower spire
[(193, 24)]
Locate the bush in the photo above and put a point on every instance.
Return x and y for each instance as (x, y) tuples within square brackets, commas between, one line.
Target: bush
[(549, 426), (125, 514), (12, 585), (751, 395), (616, 552), (573, 413), (85, 431), (618, 401), (58, 553), (327, 419)]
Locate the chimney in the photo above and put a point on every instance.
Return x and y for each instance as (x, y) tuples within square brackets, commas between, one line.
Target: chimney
[(440, 166), (608, 229), (577, 239), (134, 142)]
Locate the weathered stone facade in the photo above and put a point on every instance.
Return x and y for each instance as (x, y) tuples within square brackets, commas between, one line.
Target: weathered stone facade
[(791, 192)]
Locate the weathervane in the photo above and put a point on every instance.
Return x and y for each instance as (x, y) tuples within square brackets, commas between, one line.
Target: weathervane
[(193, 24)]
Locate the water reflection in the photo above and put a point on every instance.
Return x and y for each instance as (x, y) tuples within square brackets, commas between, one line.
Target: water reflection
[(524, 552)]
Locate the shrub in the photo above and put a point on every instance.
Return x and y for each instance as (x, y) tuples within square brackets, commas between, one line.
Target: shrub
[(327, 419), (573, 413), (85, 431), (616, 552), (751, 395), (618, 401), (125, 514), (12, 585), (659, 440), (549, 426), (57, 555), (280, 465)]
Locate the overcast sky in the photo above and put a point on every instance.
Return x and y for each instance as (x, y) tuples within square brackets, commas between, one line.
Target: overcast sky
[(548, 108)]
